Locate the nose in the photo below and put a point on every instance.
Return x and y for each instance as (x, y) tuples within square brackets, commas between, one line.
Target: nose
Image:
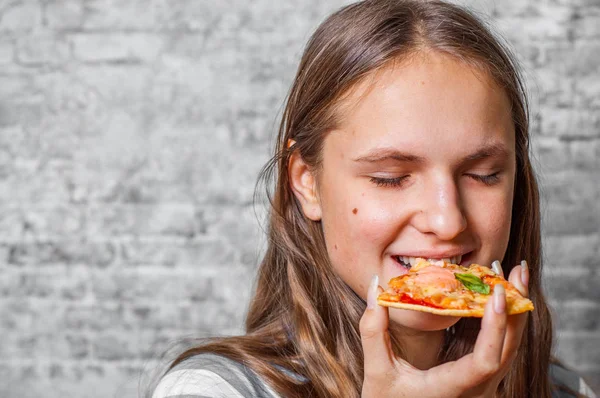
[(441, 211)]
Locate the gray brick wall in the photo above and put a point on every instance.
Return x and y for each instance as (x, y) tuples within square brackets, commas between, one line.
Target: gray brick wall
[(131, 134)]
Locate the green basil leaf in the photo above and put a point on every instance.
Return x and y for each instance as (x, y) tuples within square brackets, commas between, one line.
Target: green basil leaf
[(473, 283)]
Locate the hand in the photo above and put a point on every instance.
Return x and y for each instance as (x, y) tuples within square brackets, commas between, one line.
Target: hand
[(477, 374)]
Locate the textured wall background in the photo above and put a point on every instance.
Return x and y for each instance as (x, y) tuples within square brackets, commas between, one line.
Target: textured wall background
[(131, 135)]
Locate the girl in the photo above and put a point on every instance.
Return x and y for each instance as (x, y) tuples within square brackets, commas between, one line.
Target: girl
[(405, 135)]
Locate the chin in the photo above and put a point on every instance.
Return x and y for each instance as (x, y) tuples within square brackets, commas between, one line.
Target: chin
[(421, 321)]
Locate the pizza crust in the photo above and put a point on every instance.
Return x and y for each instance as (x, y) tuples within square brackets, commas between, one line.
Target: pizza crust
[(515, 308), (431, 310)]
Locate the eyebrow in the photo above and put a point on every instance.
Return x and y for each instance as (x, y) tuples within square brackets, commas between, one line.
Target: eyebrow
[(382, 154), (489, 151)]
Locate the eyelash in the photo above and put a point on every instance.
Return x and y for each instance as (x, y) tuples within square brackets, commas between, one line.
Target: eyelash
[(488, 180), (389, 182)]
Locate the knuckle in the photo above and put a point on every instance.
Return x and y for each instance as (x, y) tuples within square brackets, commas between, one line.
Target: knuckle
[(366, 328), (488, 369), (368, 332)]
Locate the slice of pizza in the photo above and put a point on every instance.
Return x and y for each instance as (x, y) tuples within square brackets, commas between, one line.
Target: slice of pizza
[(449, 289)]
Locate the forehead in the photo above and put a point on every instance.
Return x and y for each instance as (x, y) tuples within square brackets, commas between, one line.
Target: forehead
[(433, 99)]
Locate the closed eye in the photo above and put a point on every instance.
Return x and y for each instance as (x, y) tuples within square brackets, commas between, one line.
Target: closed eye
[(488, 179), (389, 182)]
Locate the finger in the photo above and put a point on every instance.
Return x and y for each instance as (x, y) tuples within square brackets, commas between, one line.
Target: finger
[(519, 277), (487, 353), (374, 333)]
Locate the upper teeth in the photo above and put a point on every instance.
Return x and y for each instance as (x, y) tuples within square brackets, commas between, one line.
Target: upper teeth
[(413, 260)]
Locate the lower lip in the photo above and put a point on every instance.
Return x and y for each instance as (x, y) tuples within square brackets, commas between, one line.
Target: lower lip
[(399, 268)]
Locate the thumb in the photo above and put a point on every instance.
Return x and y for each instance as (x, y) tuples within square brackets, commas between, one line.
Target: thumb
[(374, 333)]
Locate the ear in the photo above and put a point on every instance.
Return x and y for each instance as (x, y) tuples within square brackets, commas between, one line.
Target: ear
[(304, 184)]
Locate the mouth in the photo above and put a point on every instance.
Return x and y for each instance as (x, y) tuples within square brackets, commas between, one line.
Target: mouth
[(408, 261)]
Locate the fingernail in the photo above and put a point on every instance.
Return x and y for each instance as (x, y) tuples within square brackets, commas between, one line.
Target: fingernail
[(499, 299), (524, 273), (497, 268), (372, 293)]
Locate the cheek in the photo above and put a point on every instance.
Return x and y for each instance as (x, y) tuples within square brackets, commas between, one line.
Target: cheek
[(355, 223), (357, 231), (491, 217)]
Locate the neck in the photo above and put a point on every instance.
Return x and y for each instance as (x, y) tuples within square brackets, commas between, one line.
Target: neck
[(421, 349)]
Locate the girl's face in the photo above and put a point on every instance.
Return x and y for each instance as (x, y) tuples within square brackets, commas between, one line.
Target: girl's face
[(423, 165)]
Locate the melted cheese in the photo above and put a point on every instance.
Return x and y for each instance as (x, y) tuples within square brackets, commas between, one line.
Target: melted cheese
[(438, 278)]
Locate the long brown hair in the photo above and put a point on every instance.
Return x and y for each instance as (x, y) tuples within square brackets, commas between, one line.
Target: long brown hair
[(303, 317)]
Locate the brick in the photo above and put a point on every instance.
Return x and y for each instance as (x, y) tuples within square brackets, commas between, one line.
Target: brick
[(155, 317), (141, 220), (587, 92), (15, 316), (556, 90), (6, 51), (570, 122), (11, 224), (135, 286), (582, 218), (17, 86), (105, 47), (122, 86), (552, 154), (574, 251), (209, 318), (55, 283), (586, 155), (20, 112), (42, 49), (31, 183), (581, 58), (121, 347), (4, 254), (20, 16), (118, 15), (113, 346), (97, 317), (190, 15), (242, 229), (579, 349), (124, 317), (570, 187), (512, 9), (52, 222), (68, 252), (30, 378), (585, 26), (576, 315), (199, 253), (64, 14), (44, 345), (573, 285)]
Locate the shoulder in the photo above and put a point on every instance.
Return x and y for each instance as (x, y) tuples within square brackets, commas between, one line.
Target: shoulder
[(564, 379), (212, 376)]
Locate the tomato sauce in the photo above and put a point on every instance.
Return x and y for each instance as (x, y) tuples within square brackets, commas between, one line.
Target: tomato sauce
[(405, 298)]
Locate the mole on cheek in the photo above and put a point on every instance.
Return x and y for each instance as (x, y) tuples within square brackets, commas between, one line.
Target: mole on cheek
[(335, 246), (355, 210)]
